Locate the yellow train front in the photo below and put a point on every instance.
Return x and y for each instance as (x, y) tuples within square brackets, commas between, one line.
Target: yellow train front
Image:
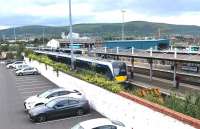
[(119, 71)]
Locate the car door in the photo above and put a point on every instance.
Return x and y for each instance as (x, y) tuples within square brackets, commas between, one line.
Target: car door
[(72, 107), (25, 71), (30, 71), (59, 110)]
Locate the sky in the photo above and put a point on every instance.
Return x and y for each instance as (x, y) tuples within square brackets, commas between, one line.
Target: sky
[(55, 12)]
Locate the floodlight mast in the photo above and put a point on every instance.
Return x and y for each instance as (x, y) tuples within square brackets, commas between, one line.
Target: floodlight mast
[(123, 13), (70, 36)]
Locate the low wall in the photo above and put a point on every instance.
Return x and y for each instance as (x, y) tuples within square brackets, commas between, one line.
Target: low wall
[(112, 105)]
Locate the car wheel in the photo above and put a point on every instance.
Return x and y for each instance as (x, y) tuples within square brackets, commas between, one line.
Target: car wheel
[(80, 112), (20, 74), (41, 118), (10, 67), (35, 73)]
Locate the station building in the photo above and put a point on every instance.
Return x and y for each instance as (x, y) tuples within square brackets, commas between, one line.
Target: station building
[(158, 44), (78, 42)]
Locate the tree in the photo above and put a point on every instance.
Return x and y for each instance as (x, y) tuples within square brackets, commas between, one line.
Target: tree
[(20, 49)]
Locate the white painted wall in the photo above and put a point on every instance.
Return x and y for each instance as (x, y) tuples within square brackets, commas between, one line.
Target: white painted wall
[(112, 105)]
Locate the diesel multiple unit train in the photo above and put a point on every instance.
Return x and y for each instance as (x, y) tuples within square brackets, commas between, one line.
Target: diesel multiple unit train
[(113, 70)]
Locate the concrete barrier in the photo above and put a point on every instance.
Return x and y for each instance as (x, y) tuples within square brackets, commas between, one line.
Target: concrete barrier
[(112, 105)]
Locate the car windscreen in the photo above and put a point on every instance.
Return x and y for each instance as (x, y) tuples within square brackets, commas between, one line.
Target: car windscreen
[(44, 94), (51, 103), (78, 126)]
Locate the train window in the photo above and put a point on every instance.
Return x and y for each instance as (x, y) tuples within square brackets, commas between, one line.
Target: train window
[(104, 69)]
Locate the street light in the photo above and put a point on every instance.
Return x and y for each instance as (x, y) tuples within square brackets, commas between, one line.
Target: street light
[(123, 12), (70, 36), (14, 34), (43, 35)]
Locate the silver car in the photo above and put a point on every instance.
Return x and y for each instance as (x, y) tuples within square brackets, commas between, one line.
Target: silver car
[(27, 71)]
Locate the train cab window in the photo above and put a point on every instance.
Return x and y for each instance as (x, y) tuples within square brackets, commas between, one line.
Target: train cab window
[(119, 68)]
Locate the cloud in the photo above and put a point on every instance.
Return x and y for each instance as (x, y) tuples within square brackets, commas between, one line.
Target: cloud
[(55, 12)]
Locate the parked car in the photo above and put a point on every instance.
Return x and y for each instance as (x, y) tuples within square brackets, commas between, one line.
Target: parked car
[(100, 123), (49, 95), (10, 61), (59, 107), (12, 65), (27, 71), (21, 66)]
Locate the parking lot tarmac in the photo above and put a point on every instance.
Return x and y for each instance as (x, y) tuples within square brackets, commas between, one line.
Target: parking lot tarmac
[(15, 89)]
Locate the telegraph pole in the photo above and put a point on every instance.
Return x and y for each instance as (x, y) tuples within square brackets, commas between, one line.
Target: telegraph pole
[(70, 36)]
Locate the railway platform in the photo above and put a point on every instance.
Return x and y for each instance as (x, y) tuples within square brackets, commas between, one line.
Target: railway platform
[(165, 86)]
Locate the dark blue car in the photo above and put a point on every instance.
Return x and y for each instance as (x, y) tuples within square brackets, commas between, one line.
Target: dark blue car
[(59, 108)]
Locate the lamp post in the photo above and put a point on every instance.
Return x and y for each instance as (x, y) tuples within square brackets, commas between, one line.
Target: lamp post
[(43, 35), (123, 12), (14, 34), (70, 36)]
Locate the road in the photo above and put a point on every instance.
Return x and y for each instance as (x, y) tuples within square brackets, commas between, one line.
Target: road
[(13, 91)]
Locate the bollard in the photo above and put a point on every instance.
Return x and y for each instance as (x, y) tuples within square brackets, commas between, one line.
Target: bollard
[(132, 50), (117, 50), (175, 52), (151, 53), (105, 50)]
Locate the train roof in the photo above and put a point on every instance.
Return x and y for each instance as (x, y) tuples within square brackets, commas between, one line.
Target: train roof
[(78, 57)]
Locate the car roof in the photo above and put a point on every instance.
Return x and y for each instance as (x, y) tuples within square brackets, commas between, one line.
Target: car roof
[(89, 124), (60, 89), (56, 90), (57, 99)]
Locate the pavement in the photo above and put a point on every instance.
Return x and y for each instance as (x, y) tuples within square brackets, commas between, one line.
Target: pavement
[(14, 90)]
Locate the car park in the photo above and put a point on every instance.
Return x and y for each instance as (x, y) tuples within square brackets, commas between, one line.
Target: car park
[(49, 95), (100, 123), (12, 65), (58, 108), (20, 88), (27, 71)]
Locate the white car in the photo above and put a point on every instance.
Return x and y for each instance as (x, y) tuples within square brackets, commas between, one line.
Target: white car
[(49, 95), (27, 71), (100, 123), (14, 64), (21, 66)]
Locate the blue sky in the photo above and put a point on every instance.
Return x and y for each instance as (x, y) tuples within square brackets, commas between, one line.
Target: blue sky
[(55, 12)]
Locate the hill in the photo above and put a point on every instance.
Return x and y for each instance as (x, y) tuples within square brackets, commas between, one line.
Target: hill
[(105, 30)]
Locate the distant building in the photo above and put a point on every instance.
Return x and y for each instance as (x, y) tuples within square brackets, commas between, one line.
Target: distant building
[(53, 43), (79, 42), (138, 44)]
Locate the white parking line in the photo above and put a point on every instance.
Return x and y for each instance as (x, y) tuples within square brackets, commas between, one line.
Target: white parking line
[(68, 118), (30, 82), (35, 85), (33, 88), (32, 92), (29, 78)]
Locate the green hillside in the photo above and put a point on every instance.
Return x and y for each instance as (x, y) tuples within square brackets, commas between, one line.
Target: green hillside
[(137, 28)]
